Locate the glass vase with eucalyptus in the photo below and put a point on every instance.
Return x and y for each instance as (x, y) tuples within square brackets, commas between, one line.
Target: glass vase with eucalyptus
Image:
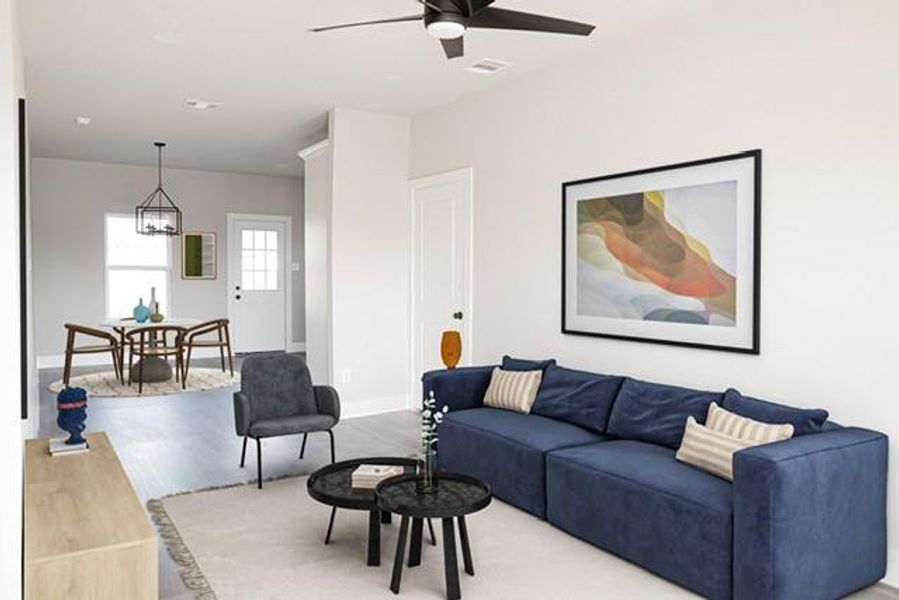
[(431, 417)]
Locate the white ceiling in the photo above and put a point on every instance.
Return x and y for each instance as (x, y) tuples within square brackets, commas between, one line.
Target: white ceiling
[(100, 58)]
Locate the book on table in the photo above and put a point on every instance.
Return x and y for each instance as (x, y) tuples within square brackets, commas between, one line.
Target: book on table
[(58, 447), (369, 476)]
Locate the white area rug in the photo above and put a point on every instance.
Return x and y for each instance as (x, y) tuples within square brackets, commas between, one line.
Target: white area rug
[(242, 543), (106, 384)]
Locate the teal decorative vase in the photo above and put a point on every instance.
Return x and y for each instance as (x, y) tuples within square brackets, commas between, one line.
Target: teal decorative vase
[(141, 313)]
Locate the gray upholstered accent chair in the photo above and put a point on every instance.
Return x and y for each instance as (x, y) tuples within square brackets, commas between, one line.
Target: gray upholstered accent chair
[(277, 398)]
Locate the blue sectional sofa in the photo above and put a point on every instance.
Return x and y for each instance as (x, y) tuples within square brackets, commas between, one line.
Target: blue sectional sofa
[(804, 518)]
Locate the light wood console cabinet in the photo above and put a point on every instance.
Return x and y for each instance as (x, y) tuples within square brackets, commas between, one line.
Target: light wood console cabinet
[(86, 533)]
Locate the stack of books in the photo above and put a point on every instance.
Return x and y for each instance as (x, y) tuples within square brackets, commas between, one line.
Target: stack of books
[(58, 447), (367, 477)]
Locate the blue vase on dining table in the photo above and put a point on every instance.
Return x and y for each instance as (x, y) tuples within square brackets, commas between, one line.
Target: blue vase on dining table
[(141, 312)]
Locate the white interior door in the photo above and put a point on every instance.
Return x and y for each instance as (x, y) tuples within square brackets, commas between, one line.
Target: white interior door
[(257, 294), (441, 263)]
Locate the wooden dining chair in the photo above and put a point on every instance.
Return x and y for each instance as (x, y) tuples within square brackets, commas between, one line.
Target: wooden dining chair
[(159, 341), (109, 344), (198, 337)]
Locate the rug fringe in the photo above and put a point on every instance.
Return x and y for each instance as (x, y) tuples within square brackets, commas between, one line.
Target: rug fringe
[(191, 574)]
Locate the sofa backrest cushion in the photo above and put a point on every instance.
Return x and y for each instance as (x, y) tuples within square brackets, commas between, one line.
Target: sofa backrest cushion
[(523, 364), (803, 420), (577, 397), (655, 413)]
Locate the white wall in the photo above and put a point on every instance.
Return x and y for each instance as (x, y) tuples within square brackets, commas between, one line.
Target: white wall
[(814, 84), (11, 429), (69, 201), (318, 182), (370, 259)]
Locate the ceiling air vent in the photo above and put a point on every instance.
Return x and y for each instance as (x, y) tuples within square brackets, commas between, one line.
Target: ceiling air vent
[(488, 66), (195, 104)]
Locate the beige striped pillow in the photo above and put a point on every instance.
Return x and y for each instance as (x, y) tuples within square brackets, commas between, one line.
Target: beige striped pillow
[(513, 390), (710, 450), (734, 425)]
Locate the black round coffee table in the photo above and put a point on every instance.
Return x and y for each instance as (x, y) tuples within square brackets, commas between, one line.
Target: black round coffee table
[(333, 485), (456, 496)]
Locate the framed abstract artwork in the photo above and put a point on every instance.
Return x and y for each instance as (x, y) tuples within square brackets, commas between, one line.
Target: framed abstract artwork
[(668, 254), (198, 255)]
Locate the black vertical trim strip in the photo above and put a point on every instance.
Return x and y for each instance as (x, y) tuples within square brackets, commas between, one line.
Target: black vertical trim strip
[(23, 258)]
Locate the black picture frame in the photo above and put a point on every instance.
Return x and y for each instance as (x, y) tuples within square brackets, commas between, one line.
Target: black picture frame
[(755, 348), (23, 255)]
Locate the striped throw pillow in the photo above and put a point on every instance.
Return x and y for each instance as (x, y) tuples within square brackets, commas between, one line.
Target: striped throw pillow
[(513, 390), (734, 425), (710, 450)]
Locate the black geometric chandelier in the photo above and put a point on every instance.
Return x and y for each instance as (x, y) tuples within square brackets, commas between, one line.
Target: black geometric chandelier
[(158, 215)]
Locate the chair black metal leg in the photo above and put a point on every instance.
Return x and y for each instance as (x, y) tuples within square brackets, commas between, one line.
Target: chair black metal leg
[(259, 463), (330, 525), (385, 517), (450, 566), (400, 553), (431, 529), (374, 538), (466, 548), (415, 543), (331, 434), (303, 447), (243, 453)]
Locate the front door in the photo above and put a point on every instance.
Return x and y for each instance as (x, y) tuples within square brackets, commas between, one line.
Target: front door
[(441, 263), (257, 294)]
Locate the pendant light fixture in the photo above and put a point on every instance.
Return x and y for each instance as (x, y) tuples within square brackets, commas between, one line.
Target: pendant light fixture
[(158, 215)]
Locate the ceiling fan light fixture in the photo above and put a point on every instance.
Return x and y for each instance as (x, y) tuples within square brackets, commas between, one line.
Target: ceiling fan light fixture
[(446, 29)]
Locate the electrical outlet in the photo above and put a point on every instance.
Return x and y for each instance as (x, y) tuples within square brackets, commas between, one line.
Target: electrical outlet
[(346, 376)]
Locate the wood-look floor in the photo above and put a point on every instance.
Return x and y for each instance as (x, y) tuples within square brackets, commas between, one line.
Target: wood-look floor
[(185, 442)]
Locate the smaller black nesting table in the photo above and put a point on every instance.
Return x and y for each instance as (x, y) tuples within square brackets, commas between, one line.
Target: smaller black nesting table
[(456, 496), (333, 485)]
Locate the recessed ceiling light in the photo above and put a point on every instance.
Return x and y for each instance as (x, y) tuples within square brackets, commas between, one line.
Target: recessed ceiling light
[(489, 66), (168, 37), (82, 120), (196, 104)]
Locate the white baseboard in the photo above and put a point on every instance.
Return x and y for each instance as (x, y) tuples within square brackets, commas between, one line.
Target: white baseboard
[(57, 361), (372, 406), (296, 347)]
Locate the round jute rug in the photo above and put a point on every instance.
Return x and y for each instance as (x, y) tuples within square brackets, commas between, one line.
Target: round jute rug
[(106, 385)]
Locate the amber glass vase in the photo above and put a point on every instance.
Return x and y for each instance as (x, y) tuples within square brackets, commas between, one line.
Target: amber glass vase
[(451, 348)]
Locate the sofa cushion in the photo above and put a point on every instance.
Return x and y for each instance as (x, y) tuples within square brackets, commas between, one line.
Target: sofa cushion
[(730, 423), (513, 390), (577, 397), (651, 412), (523, 364), (635, 500), (507, 450), (803, 420)]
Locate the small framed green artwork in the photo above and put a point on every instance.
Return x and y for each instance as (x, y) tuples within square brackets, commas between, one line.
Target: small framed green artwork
[(198, 255)]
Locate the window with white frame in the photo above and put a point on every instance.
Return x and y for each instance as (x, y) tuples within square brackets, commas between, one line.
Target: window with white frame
[(259, 260), (135, 264)]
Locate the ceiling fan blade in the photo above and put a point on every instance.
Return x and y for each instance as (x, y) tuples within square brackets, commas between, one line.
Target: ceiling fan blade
[(430, 5), (364, 23), (500, 18), (454, 48), (475, 6)]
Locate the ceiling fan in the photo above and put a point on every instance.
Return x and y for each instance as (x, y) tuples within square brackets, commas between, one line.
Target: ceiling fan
[(448, 20)]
